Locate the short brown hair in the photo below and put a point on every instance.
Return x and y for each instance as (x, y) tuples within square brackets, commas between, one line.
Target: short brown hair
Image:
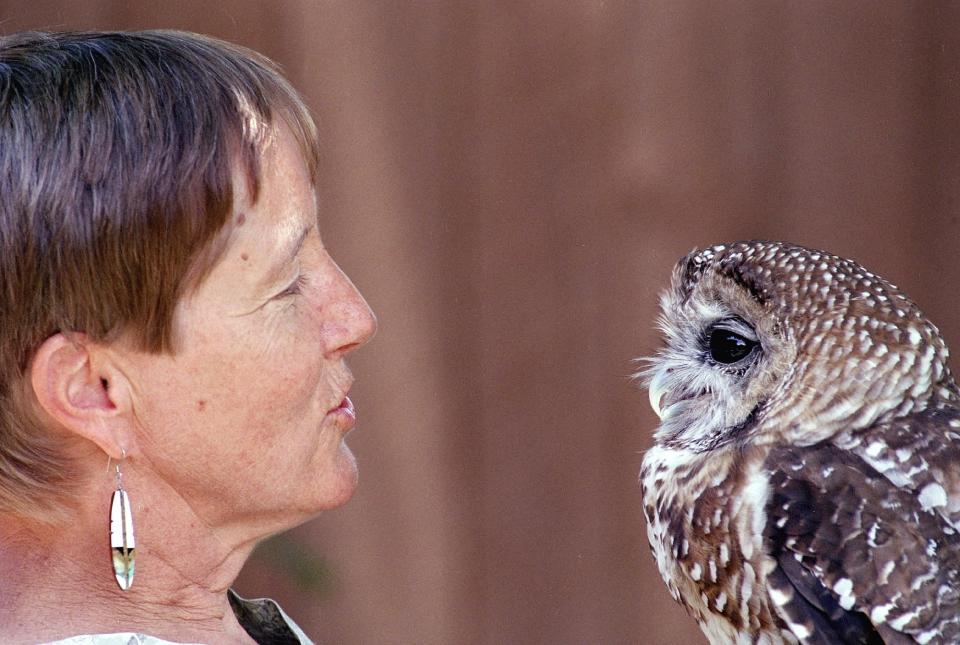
[(117, 151)]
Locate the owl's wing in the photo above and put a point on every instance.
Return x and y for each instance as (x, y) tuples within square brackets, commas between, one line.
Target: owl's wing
[(859, 559), (920, 452)]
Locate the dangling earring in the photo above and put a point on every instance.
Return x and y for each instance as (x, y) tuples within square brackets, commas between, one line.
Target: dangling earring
[(121, 533)]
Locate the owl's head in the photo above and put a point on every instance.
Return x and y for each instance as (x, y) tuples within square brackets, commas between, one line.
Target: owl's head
[(768, 341)]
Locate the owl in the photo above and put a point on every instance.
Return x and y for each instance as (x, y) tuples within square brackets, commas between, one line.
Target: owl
[(804, 482)]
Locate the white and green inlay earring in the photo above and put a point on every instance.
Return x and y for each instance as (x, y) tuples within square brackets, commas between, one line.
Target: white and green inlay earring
[(121, 534)]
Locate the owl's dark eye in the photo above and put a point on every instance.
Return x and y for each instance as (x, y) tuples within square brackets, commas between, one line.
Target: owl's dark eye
[(728, 346)]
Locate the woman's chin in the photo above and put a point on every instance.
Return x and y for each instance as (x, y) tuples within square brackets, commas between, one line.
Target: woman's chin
[(339, 480)]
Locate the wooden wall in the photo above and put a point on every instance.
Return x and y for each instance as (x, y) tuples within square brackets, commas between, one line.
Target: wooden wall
[(509, 183)]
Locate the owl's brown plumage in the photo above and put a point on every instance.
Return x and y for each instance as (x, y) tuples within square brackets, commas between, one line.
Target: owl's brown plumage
[(804, 485)]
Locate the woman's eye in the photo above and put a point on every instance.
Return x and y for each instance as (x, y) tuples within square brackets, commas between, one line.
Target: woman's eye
[(729, 347), (295, 288)]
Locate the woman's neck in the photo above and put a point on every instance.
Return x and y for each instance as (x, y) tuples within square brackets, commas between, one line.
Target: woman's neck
[(59, 581)]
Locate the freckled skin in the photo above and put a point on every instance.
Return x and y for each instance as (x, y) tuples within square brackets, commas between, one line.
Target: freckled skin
[(238, 419)]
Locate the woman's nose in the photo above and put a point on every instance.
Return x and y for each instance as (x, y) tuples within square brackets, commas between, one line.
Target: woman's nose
[(352, 323)]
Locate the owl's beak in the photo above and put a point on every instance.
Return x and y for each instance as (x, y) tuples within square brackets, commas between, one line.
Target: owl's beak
[(657, 390)]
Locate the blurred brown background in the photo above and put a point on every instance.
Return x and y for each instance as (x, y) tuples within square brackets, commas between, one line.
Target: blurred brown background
[(509, 183)]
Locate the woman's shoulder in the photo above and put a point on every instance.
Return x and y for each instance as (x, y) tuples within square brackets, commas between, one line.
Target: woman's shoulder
[(119, 638), (261, 617)]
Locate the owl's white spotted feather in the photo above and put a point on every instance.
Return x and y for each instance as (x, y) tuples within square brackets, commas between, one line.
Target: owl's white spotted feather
[(804, 486)]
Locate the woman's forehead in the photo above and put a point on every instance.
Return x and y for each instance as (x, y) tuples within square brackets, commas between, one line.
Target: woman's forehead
[(268, 234)]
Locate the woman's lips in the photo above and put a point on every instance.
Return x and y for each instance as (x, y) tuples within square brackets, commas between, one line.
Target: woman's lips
[(344, 415), (347, 406)]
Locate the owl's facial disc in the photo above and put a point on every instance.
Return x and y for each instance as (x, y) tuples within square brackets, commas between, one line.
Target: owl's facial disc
[(697, 384)]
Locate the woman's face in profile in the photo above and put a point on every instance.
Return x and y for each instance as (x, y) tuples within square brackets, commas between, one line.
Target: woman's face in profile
[(246, 420)]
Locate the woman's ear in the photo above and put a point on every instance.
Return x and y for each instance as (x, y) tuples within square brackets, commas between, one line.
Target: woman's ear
[(73, 387)]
